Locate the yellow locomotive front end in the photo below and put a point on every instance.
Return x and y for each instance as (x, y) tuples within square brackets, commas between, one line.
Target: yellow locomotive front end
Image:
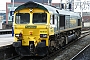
[(31, 31), (41, 29)]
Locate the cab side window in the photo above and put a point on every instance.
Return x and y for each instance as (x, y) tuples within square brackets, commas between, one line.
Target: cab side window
[(52, 19)]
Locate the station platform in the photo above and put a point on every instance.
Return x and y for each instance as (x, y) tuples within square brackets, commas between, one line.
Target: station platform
[(6, 39), (1, 30)]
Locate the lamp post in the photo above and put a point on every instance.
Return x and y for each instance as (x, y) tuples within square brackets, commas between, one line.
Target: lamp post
[(13, 5), (12, 18), (60, 4), (48, 2), (81, 8)]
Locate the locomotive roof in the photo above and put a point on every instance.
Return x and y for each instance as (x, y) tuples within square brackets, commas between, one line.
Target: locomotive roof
[(48, 8), (30, 4)]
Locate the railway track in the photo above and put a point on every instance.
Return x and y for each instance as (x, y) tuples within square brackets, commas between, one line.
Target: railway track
[(55, 54), (50, 56), (80, 53), (6, 52), (17, 57), (74, 48)]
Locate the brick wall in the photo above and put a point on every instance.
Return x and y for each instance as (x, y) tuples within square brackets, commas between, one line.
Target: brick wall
[(86, 18)]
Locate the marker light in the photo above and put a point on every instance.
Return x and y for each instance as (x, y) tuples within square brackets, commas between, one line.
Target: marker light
[(31, 10), (31, 32)]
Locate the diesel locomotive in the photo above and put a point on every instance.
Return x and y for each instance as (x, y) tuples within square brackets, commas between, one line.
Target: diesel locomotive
[(40, 29)]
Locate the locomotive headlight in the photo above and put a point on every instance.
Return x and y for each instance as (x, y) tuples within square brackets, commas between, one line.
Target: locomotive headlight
[(18, 35), (31, 10), (43, 35)]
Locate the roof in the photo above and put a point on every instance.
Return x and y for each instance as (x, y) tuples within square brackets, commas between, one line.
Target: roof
[(30, 4)]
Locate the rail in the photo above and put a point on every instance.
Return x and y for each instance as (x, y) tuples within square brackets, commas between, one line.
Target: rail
[(55, 54), (6, 52), (80, 52)]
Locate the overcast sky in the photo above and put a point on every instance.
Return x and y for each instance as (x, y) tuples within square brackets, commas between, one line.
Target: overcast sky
[(45, 1), (40, 1), (58, 1), (3, 4)]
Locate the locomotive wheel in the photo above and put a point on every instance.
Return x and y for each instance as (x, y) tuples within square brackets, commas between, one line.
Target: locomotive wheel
[(77, 34), (63, 42)]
